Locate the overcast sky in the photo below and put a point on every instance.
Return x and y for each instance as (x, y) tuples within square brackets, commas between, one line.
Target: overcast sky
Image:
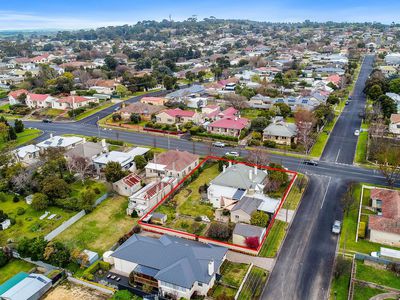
[(75, 14)]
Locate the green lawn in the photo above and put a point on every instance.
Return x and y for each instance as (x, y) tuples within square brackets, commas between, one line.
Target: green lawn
[(221, 291), (77, 187), (377, 275), (52, 112), (322, 139), (94, 110), (361, 150), (365, 292), (100, 229), (254, 284), (349, 230), (274, 239), (5, 107), (14, 267), (250, 113), (294, 197), (28, 224), (233, 273), (22, 138), (340, 285)]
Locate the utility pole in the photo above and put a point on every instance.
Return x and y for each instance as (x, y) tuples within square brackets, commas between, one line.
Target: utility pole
[(98, 126)]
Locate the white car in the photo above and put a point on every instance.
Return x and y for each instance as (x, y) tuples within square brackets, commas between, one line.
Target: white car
[(232, 153), (337, 226), (357, 132), (218, 144)]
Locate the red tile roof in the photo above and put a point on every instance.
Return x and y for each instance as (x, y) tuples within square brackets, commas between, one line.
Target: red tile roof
[(38, 97), (131, 179), (177, 112), (229, 112), (17, 93), (230, 123), (175, 159), (334, 78), (389, 221)]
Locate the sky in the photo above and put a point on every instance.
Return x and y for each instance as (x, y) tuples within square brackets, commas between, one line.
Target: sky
[(76, 14)]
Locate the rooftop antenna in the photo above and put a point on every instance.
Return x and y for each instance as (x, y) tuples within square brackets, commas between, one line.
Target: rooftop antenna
[(170, 18)]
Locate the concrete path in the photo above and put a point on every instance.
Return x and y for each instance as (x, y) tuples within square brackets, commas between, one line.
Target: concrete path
[(262, 262), (283, 217)]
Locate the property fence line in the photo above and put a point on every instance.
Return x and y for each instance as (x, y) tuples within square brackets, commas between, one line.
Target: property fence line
[(64, 225), (243, 282), (72, 220), (36, 263), (352, 277), (90, 285)]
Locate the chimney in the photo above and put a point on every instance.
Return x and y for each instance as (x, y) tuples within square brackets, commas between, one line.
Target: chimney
[(211, 267), (255, 170), (104, 145), (230, 164), (51, 135), (223, 168), (250, 174)]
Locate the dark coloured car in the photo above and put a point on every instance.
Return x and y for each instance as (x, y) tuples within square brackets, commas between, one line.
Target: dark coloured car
[(310, 162), (47, 121)]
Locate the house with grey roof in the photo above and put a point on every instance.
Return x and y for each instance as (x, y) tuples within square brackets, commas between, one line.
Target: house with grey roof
[(176, 267), (182, 94), (281, 132), (234, 183), (243, 231)]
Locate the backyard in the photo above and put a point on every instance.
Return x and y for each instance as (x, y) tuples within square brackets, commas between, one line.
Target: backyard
[(232, 276), (27, 220), (101, 229), (14, 267)]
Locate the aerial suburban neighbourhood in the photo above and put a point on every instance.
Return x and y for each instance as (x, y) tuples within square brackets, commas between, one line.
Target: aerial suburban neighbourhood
[(233, 156)]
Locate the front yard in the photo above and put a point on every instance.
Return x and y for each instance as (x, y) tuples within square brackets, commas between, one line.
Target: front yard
[(101, 229), (22, 138), (14, 267), (254, 284)]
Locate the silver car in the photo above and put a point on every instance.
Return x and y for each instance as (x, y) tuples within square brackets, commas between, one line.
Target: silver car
[(337, 226)]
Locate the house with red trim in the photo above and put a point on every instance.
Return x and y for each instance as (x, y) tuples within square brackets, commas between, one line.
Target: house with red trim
[(177, 116), (73, 102), (146, 198), (230, 126)]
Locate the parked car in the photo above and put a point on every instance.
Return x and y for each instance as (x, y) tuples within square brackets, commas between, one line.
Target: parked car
[(310, 162), (232, 153), (357, 132), (47, 120), (347, 102), (218, 144), (337, 226)]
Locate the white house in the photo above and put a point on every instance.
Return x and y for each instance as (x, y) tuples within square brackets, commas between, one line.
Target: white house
[(394, 126), (128, 185), (65, 142), (27, 154)]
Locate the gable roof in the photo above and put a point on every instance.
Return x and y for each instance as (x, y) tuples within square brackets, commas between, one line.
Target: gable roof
[(73, 99), (247, 204), (131, 179), (142, 108), (175, 159), (177, 261), (247, 230), (237, 176), (177, 112), (230, 123), (87, 150), (281, 129), (17, 93), (38, 97), (389, 221)]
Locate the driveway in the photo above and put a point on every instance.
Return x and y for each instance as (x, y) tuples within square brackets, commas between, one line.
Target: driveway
[(262, 262)]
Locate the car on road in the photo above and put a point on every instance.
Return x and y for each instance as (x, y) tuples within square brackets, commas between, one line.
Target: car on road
[(47, 120), (347, 102), (232, 153), (218, 144), (337, 226), (357, 132), (310, 162)]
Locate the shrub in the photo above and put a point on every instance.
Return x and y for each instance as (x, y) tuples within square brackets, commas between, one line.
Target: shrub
[(20, 211), (3, 197), (137, 229), (198, 219), (252, 242), (114, 142), (217, 136), (16, 199), (254, 142), (361, 230), (219, 231), (270, 144), (116, 117), (40, 201), (259, 218), (134, 214), (97, 190)]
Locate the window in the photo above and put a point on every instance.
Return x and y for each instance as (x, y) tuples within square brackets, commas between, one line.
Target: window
[(200, 284)]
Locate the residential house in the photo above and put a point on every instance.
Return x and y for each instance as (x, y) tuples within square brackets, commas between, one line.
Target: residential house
[(144, 110), (39, 100), (384, 226), (14, 95), (173, 163), (281, 132), (146, 198), (394, 126), (65, 142), (176, 116), (28, 154), (230, 126), (103, 86), (396, 98), (125, 159), (88, 150), (181, 94), (393, 59), (243, 231), (249, 204), (128, 185), (154, 100), (234, 182), (176, 267), (73, 102)]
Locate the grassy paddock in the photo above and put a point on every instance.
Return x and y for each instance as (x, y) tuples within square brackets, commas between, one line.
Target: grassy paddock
[(14, 267)]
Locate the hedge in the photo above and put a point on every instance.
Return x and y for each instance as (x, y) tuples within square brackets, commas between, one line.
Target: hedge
[(114, 142), (89, 272), (217, 136), (361, 230)]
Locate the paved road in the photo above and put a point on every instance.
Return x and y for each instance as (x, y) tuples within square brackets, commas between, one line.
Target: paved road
[(303, 268), (342, 142)]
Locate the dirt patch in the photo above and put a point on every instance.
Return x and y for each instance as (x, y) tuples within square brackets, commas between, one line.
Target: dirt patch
[(68, 291)]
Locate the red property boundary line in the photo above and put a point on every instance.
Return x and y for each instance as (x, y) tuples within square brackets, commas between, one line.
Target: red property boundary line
[(196, 237)]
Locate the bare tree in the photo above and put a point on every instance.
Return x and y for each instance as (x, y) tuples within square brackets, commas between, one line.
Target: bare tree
[(237, 101), (348, 198), (389, 163), (305, 122), (79, 165), (259, 157)]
